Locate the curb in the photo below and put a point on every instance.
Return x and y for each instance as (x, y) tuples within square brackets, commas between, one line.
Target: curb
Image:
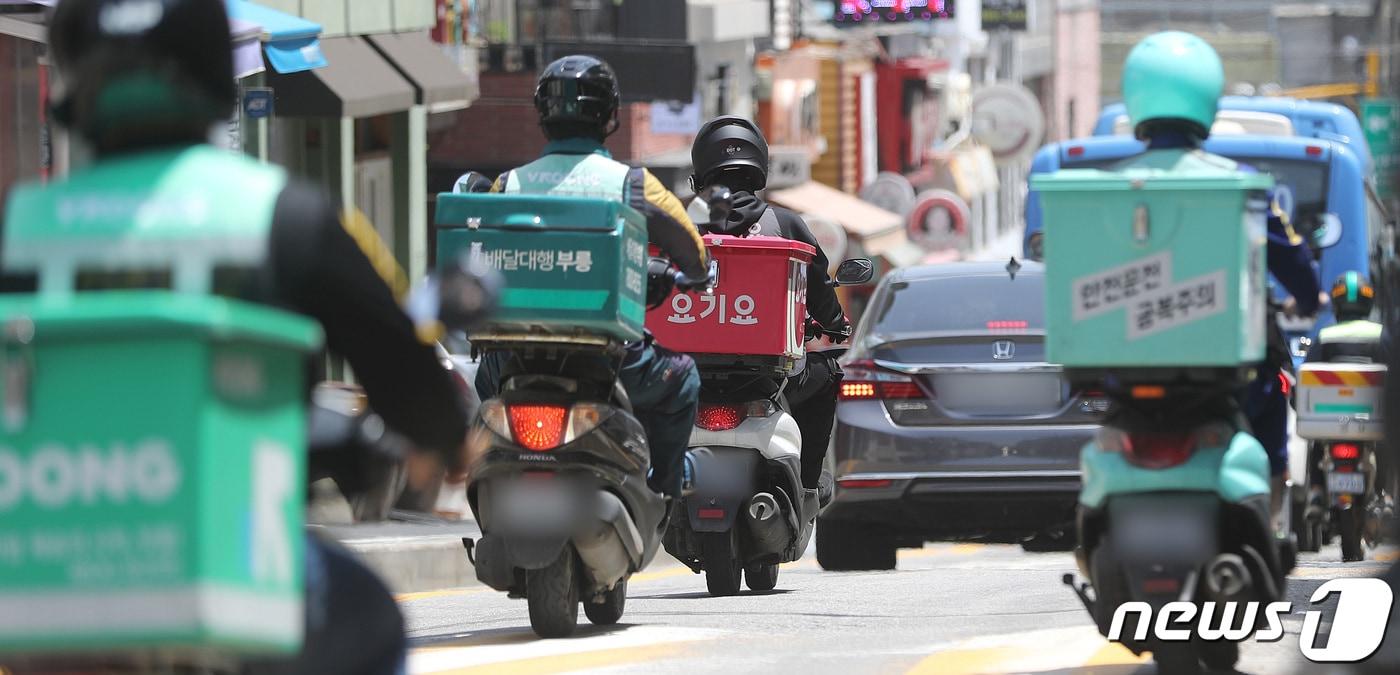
[(417, 564)]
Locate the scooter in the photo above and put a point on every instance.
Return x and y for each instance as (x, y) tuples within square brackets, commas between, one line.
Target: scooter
[(1175, 507), (558, 472), (748, 511)]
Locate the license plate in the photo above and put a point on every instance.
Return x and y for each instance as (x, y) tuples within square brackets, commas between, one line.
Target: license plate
[(1346, 483)]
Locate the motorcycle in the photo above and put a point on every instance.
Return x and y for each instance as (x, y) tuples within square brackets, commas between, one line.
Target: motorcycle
[(748, 511), (1175, 507), (558, 464)]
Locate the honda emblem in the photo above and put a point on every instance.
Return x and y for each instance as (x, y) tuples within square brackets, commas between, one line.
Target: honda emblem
[(1003, 350)]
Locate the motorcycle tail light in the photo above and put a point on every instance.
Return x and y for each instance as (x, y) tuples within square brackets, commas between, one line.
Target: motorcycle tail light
[(1346, 451), (583, 418), (713, 417), (537, 427), (1150, 450)]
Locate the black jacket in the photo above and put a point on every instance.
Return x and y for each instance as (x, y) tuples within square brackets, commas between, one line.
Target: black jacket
[(822, 303), (319, 268)]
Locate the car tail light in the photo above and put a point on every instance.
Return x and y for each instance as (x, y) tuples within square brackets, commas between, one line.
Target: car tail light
[(710, 514), (1150, 449), (859, 483), (866, 381), (1008, 325), (537, 427), (1346, 451), (1094, 402)]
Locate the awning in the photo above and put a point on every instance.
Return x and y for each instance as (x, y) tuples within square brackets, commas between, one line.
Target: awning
[(861, 219), (292, 44), (439, 83), (357, 83), (247, 48)]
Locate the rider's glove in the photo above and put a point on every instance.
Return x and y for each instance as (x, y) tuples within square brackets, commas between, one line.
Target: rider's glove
[(842, 328)]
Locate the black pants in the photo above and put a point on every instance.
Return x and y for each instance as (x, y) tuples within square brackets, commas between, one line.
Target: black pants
[(812, 396), (353, 624)]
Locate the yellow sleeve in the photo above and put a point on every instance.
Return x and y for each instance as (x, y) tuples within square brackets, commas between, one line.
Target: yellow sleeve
[(362, 231), (670, 227)]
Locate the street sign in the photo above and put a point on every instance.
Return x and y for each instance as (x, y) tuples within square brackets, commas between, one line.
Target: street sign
[(1008, 119), (257, 102), (1380, 123), (1003, 15), (891, 192)]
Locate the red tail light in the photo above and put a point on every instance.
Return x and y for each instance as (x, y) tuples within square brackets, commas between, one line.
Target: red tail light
[(719, 417), (1151, 450), (1008, 325), (866, 381), (1076, 151), (1346, 451), (538, 427), (710, 514)]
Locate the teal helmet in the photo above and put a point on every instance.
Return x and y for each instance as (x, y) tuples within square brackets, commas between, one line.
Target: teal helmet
[(1173, 78), (1352, 297)]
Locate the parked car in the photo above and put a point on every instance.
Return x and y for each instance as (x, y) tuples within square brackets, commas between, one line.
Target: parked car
[(951, 425)]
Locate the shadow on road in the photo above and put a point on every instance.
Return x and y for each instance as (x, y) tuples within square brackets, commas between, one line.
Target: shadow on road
[(704, 595), (507, 636)]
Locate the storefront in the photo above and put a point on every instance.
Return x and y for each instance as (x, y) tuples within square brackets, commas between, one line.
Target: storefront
[(26, 142)]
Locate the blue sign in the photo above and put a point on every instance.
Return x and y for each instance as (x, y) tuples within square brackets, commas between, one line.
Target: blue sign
[(257, 103)]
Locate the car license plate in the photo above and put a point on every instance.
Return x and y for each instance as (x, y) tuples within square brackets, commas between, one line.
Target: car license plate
[(1346, 483)]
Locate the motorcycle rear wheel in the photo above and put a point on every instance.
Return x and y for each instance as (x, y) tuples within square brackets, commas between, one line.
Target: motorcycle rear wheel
[(761, 576), (723, 569), (609, 611), (552, 594), (1349, 524)]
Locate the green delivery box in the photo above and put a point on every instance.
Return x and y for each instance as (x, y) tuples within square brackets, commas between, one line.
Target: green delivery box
[(152, 473), (1158, 264), (571, 265)]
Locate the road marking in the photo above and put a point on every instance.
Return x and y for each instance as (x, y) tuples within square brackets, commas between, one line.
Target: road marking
[(967, 662), (604, 647), (1071, 650), (1115, 654), (446, 592), (566, 663)]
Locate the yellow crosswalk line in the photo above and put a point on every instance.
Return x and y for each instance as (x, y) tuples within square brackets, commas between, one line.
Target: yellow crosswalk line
[(1114, 654), (567, 663), (963, 662)]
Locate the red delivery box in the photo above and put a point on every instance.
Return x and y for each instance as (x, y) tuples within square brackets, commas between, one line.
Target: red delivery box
[(759, 306)]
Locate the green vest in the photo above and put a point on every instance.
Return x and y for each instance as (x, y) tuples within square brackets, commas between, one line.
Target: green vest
[(589, 175), (1351, 331), (186, 212)]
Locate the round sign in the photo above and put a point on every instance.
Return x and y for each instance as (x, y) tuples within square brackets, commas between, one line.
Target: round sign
[(1008, 119), (891, 192), (830, 236), (939, 220)]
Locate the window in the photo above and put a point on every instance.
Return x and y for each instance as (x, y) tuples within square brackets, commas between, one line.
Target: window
[(960, 304)]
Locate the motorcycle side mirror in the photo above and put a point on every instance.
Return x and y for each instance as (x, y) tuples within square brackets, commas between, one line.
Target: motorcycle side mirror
[(467, 293), (855, 272)]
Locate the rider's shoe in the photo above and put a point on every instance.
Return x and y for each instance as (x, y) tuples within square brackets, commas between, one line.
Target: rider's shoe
[(826, 489)]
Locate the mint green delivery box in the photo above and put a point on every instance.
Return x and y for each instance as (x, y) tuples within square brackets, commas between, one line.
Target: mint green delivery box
[(571, 265), (1158, 265), (152, 473)]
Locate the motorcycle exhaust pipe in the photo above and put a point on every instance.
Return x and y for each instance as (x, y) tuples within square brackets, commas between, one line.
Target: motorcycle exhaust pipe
[(1228, 579), (767, 527)]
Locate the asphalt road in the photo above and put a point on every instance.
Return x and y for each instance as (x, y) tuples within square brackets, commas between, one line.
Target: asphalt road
[(948, 609)]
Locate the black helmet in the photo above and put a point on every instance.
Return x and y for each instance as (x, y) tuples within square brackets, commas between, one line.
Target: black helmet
[(578, 96), (1352, 297), (143, 71), (732, 146)]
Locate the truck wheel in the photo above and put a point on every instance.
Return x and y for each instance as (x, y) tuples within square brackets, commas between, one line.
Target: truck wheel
[(842, 547), (761, 576), (552, 594), (1349, 524), (607, 612), (720, 557)]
